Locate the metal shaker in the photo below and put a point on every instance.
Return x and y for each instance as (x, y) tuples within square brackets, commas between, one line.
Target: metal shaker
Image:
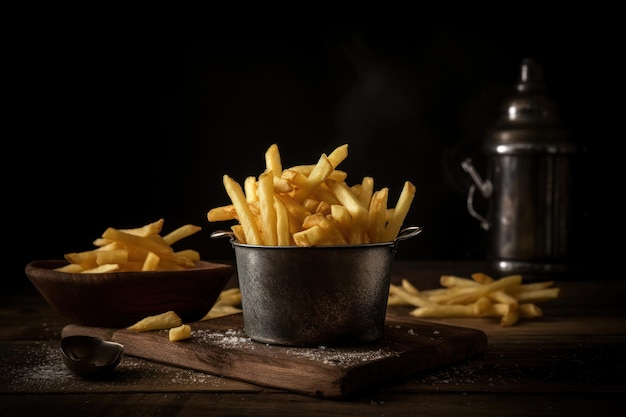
[(528, 186)]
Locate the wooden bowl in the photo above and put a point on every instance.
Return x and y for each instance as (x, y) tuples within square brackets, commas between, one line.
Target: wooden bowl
[(120, 299)]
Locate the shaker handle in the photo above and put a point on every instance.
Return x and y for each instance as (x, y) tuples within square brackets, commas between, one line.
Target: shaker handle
[(485, 187), (470, 208)]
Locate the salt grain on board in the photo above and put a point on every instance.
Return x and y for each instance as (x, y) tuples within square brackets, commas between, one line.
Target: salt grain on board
[(237, 339)]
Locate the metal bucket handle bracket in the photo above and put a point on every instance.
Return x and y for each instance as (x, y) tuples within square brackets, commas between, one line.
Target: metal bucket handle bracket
[(406, 233), (223, 233)]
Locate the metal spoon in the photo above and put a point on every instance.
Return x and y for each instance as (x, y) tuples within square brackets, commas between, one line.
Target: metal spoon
[(90, 356)]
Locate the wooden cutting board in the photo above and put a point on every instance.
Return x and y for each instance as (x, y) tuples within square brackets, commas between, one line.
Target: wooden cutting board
[(221, 347)]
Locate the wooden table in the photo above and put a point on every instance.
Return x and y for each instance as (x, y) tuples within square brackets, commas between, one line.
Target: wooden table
[(570, 362)]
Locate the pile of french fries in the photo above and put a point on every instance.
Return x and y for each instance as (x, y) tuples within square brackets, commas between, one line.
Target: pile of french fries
[(138, 249), (310, 205), (479, 296)]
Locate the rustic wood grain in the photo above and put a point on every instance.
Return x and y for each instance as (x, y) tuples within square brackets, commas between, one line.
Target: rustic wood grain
[(409, 346)]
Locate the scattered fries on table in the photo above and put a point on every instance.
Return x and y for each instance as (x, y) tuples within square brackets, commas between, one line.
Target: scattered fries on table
[(310, 205), (479, 296), (228, 302), (138, 249)]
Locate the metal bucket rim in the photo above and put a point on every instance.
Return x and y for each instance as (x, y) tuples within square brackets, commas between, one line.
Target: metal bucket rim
[(404, 234)]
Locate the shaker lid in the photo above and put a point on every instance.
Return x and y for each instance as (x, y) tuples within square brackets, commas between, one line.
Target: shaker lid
[(529, 119)]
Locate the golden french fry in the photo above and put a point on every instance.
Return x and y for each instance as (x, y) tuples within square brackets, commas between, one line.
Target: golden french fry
[(444, 297), (338, 155), (308, 237), (410, 288), (332, 233), (350, 201), (475, 309), (228, 302), (530, 310), (367, 190), (272, 160), (101, 269), (223, 213), (394, 300), (510, 318), (400, 212), (149, 229), (377, 214), (266, 206), (322, 193), (128, 239), (454, 281), (323, 208), (102, 243), (296, 210), (414, 299), (294, 177), (71, 268), (151, 262), (191, 254), (482, 278), (237, 230), (319, 174), (281, 185), (336, 175), (311, 204), (249, 189), (536, 296), (530, 287), (230, 296), (115, 256), (250, 228), (181, 233), (283, 229), (161, 321), (87, 258), (136, 266), (221, 311), (504, 298), (181, 332)]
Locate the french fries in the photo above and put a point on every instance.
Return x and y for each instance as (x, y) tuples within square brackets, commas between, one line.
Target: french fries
[(228, 302), (137, 249), (170, 321), (179, 333), (310, 205), (479, 296), (161, 321)]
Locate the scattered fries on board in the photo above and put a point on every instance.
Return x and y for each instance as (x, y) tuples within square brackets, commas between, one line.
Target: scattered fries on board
[(311, 205), (162, 321), (170, 321), (138, 249), (478, 296), (228, 302)]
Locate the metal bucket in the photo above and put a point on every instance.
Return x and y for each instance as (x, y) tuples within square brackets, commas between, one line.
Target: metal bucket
[(315, 296)]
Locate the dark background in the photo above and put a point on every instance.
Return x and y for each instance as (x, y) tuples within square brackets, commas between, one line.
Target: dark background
[(119, 120)]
